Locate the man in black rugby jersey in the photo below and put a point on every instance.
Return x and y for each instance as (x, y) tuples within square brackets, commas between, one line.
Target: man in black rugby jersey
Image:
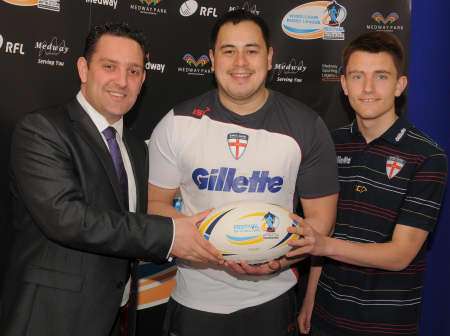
[(392, 179)]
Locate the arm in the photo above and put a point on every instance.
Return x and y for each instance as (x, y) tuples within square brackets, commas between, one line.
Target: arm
[(160, 201), (304, 318), (394, 255), (59, 182)]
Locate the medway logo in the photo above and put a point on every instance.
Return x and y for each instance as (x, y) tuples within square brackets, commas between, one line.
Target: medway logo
[(393, 166), (150, 7), (52, 48), (237, 144), (387, 23), (379, 18), (109, 3), (198, 67), (225, 179), (203, 60)]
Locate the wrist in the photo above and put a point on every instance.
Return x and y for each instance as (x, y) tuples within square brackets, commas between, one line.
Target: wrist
[(329, 247)]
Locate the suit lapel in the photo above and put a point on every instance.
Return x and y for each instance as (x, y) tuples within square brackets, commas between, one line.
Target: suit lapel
[(135, 156), (89, 132)]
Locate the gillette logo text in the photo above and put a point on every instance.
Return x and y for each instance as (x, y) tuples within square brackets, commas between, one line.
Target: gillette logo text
[(224, 179)]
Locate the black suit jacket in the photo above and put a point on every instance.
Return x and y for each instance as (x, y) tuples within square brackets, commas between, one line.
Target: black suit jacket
[(73, 239)]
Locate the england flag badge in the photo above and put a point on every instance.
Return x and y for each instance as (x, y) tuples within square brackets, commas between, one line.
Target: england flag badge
[(237, 144), (393, 166)]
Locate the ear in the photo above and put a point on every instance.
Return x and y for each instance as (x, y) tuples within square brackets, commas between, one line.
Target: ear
[(402, 82), (344, 85), (82, 67), (211, 57), (144, 75), (269, 58)]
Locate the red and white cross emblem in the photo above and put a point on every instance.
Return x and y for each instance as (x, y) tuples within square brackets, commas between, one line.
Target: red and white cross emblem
[(393, 166), (237, 144)]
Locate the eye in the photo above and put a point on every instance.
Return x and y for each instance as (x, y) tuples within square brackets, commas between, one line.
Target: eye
[(355, 76), (228, 51), (252, 51), (382, 76), (108, 66), (135, 71)]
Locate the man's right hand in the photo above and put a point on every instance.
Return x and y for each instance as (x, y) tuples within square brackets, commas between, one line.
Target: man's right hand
[(190, 245)]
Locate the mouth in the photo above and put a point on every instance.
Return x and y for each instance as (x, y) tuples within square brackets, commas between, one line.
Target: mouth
[(368, 100), (116, 94), (241, 74)]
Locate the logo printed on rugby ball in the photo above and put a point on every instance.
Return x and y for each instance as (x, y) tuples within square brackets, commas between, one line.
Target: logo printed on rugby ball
[(251, 231)]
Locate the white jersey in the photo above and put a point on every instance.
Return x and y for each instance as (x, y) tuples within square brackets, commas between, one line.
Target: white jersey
[(215, 157)]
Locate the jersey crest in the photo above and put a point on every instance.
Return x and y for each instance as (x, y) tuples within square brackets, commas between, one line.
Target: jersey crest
[(237, 144), (393, 166)]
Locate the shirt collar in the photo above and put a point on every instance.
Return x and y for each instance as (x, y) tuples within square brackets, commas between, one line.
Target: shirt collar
[(394, 134), (99, 120)]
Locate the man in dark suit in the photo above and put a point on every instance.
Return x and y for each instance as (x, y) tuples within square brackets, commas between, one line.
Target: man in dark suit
[(79, 189)]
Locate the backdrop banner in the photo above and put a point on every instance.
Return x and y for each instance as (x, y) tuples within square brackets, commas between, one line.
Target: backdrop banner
[(40, 41)]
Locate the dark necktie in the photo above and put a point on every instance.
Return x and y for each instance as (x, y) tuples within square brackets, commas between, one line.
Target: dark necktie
[(114, 150)]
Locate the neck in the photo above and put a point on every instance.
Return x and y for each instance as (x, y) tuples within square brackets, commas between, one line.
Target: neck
[(372, 129), (244, 106)]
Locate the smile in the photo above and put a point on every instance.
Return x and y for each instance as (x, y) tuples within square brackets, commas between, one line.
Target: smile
[(117, 94)]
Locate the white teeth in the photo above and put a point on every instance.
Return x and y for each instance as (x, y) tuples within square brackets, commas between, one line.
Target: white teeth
[(116, 94)]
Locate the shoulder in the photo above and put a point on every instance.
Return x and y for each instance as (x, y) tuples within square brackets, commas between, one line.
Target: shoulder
[(342, 133), (422, 143), (293, 108), (41, 120), (197, 106)]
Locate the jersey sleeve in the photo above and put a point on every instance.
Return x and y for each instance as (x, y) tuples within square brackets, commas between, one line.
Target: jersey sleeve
[(425, 192), (318, 169), (163, 168)]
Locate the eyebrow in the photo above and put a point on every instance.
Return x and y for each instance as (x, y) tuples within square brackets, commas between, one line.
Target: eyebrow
[(376, 71), (105, 59), (251, 45)]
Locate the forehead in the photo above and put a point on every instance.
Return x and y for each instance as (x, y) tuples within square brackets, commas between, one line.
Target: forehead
[(366, 61), (244, 32), (121, 49)]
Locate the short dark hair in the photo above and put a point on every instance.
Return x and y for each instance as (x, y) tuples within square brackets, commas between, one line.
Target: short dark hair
[(120, 29), (376, 42), (237, 16)]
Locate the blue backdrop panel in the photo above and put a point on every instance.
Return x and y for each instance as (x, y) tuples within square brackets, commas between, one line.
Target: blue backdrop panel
[(428, 95)]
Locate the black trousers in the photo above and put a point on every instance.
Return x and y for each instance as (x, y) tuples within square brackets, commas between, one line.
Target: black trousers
[(277, 317)]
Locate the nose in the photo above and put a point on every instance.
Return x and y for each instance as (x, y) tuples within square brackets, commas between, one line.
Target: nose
[(368, 85), (241, 59), (122, 78)]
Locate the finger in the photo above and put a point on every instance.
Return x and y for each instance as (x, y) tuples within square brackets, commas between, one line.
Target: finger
[(254, 270), (199, 217), (296, 217), (274, 265), (307, 324), (301, 324), (301, 242), (235, 267), (301, 251), (298, 230), (209, 250)]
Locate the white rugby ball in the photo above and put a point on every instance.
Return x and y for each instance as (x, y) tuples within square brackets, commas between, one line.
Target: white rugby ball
[(254, 232)]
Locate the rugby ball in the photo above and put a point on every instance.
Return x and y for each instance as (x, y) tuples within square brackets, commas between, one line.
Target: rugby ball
[(254, 232)]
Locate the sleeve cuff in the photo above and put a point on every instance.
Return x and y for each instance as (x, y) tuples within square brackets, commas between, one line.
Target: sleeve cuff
[(168, 256)]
